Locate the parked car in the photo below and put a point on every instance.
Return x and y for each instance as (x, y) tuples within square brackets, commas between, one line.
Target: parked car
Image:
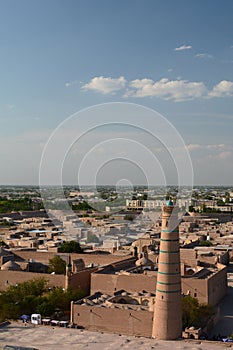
[(36, 318)]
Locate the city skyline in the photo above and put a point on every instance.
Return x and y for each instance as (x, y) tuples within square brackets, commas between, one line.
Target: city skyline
[(59, 58)]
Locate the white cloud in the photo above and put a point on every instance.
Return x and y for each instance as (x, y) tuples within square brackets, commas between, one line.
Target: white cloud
[(71, 83), (183, 47), (193, 147), (203, 55), (177, 90), (141, 83), (218, 146), (222, 89), (105, 85)]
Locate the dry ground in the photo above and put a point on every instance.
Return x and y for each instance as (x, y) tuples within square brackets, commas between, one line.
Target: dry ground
[(51, 338)]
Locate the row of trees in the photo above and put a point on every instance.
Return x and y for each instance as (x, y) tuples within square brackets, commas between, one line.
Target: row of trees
[(35, 297), (8, 205)]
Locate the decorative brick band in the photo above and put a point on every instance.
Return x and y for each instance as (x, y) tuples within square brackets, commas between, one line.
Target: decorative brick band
[(169, 263), (168, 291), (169, 240), (169, 252), (168, 284), (168, 273)]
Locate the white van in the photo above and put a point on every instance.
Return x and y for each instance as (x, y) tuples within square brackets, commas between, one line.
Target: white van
[(36, 318)]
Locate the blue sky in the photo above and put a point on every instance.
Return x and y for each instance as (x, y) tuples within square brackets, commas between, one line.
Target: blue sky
[(58, 57)]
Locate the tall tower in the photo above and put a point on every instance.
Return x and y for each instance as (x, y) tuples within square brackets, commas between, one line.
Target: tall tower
[(167, 323), (68, 273)]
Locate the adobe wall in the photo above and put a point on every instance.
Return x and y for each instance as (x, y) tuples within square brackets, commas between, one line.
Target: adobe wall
[(82, 280), (109, 283), (44, 257), (188, 257), (122, 321), (123, 263), (8, 278), (196, 288), (217, 286)]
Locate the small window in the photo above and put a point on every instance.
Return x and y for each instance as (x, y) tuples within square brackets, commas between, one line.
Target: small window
[(195, 295)]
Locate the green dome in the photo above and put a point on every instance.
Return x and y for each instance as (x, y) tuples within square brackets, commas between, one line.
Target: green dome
[(169, 203)]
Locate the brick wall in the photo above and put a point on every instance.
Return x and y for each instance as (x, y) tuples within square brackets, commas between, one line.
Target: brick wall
[(188, 257), (196, 288), (44, 257), (109, 283), (8, 278), (82, 280), (217, 286), (130, 322)]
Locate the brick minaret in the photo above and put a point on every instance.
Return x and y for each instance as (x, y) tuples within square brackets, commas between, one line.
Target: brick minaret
[(167, 323), (68, 273)]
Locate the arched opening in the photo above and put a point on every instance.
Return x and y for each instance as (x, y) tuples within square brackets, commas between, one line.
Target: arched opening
[(122, 301)]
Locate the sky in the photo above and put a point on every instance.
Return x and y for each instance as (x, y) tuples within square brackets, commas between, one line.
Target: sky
[(59, 57)]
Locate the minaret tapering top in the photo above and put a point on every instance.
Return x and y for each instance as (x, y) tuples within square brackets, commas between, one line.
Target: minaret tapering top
[(169, 203)]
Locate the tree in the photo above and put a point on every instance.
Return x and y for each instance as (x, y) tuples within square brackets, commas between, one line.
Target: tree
[(227, 197), (21, 298), (194, 314), (189, 311), (70, 247), (206, 244), (81, 206), (191, 209), (19, 292), (8, 205), (32, 296), (57, 265), (45, 308), (61, 299)]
